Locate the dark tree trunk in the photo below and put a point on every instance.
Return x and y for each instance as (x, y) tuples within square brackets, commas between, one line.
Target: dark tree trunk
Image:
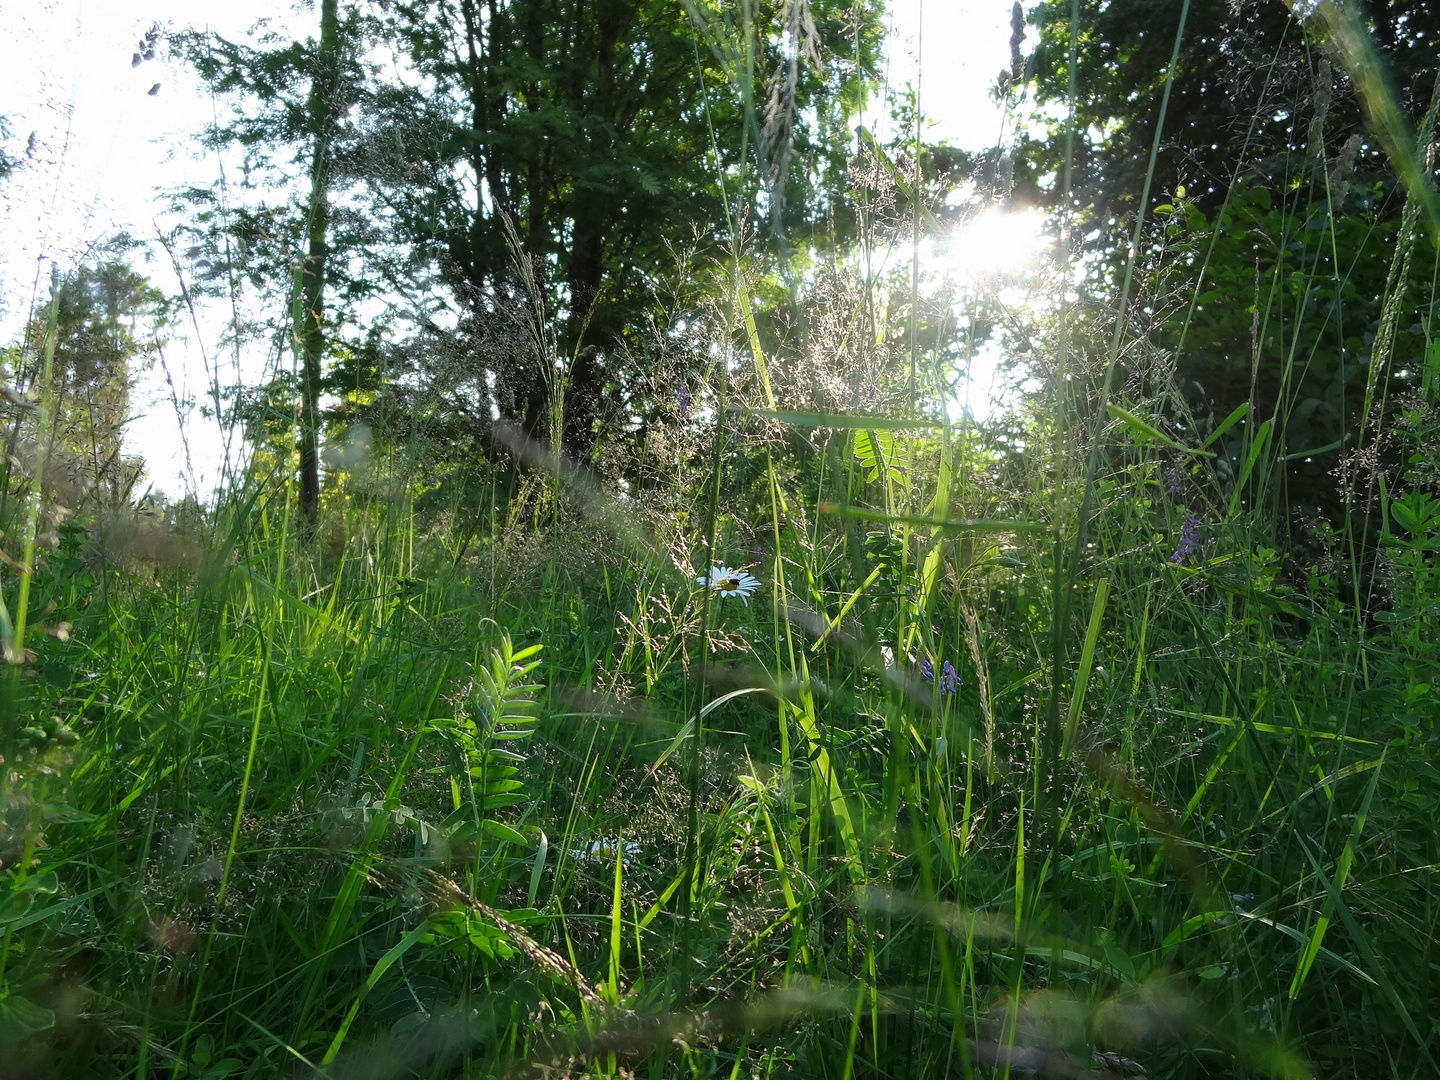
[(585, 341), (324, 107), (586, 382)]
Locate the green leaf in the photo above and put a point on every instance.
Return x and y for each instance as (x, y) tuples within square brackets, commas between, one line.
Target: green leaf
[(460, 833), (1361, 941), (15, 905), (61, 814), (680, 736), (1301, 455), (1119, 961), (494, 801), (865, 454), (21, 1018), (381, 966), (1187, 928), (1261, 438), (504, 832), (1142, 431), (494, 753), (46, 884), (21, 897), (496, 787), (1230, 421), (1415, 513), (1087, 656)]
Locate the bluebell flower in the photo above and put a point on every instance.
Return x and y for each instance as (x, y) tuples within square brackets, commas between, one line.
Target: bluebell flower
[(927, 669), (682, 401)]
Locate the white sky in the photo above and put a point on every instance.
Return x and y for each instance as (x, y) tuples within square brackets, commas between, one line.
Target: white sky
[(104, 147)]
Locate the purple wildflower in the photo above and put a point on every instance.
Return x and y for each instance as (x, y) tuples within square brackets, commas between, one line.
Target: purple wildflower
[(682, 400), (1189, 538), (1174, 479), (949, 678)]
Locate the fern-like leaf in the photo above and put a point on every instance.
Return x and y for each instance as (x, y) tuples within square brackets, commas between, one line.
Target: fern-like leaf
[(486, 776)]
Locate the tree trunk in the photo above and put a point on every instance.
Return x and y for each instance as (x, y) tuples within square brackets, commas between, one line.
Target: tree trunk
[(587, 376), (324, 108), (588, 250)]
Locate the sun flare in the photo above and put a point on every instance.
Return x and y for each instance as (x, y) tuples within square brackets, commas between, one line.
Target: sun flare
[(992, 244)]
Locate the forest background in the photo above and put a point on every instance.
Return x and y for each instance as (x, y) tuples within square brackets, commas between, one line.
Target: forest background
[(622, 640)]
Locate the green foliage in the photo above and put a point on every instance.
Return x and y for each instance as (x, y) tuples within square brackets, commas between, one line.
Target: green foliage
[(875, 451), (109, 322), (9, 164), (587, 131), (1095, 739), (1299, 350), (485, 766)]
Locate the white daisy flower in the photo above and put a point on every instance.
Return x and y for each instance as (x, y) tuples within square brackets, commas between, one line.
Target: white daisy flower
[(728, 582)]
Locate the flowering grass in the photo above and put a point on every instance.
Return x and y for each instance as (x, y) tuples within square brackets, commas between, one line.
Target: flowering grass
[(1046, 746), (323, 816)]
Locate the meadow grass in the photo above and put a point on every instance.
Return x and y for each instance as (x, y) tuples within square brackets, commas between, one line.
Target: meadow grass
[(324, 816), (1049, 746)]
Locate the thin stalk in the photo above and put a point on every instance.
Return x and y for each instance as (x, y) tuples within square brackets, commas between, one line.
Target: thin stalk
[(37, 496)]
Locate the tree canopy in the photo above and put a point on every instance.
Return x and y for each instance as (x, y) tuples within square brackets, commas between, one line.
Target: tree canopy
[(1275, 207), (545, 155)]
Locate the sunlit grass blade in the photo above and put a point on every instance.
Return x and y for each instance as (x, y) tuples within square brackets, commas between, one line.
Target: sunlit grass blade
[(1237, 414), (979, 525), (396, 951), (1342, 873), (1143, 431), (1087, 658), (1361, 940), (845, 422)]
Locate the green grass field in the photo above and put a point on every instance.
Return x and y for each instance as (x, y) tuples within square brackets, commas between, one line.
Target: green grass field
[(838, 740)]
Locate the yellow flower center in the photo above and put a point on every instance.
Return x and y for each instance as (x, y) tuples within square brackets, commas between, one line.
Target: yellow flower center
[(729, 584)]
